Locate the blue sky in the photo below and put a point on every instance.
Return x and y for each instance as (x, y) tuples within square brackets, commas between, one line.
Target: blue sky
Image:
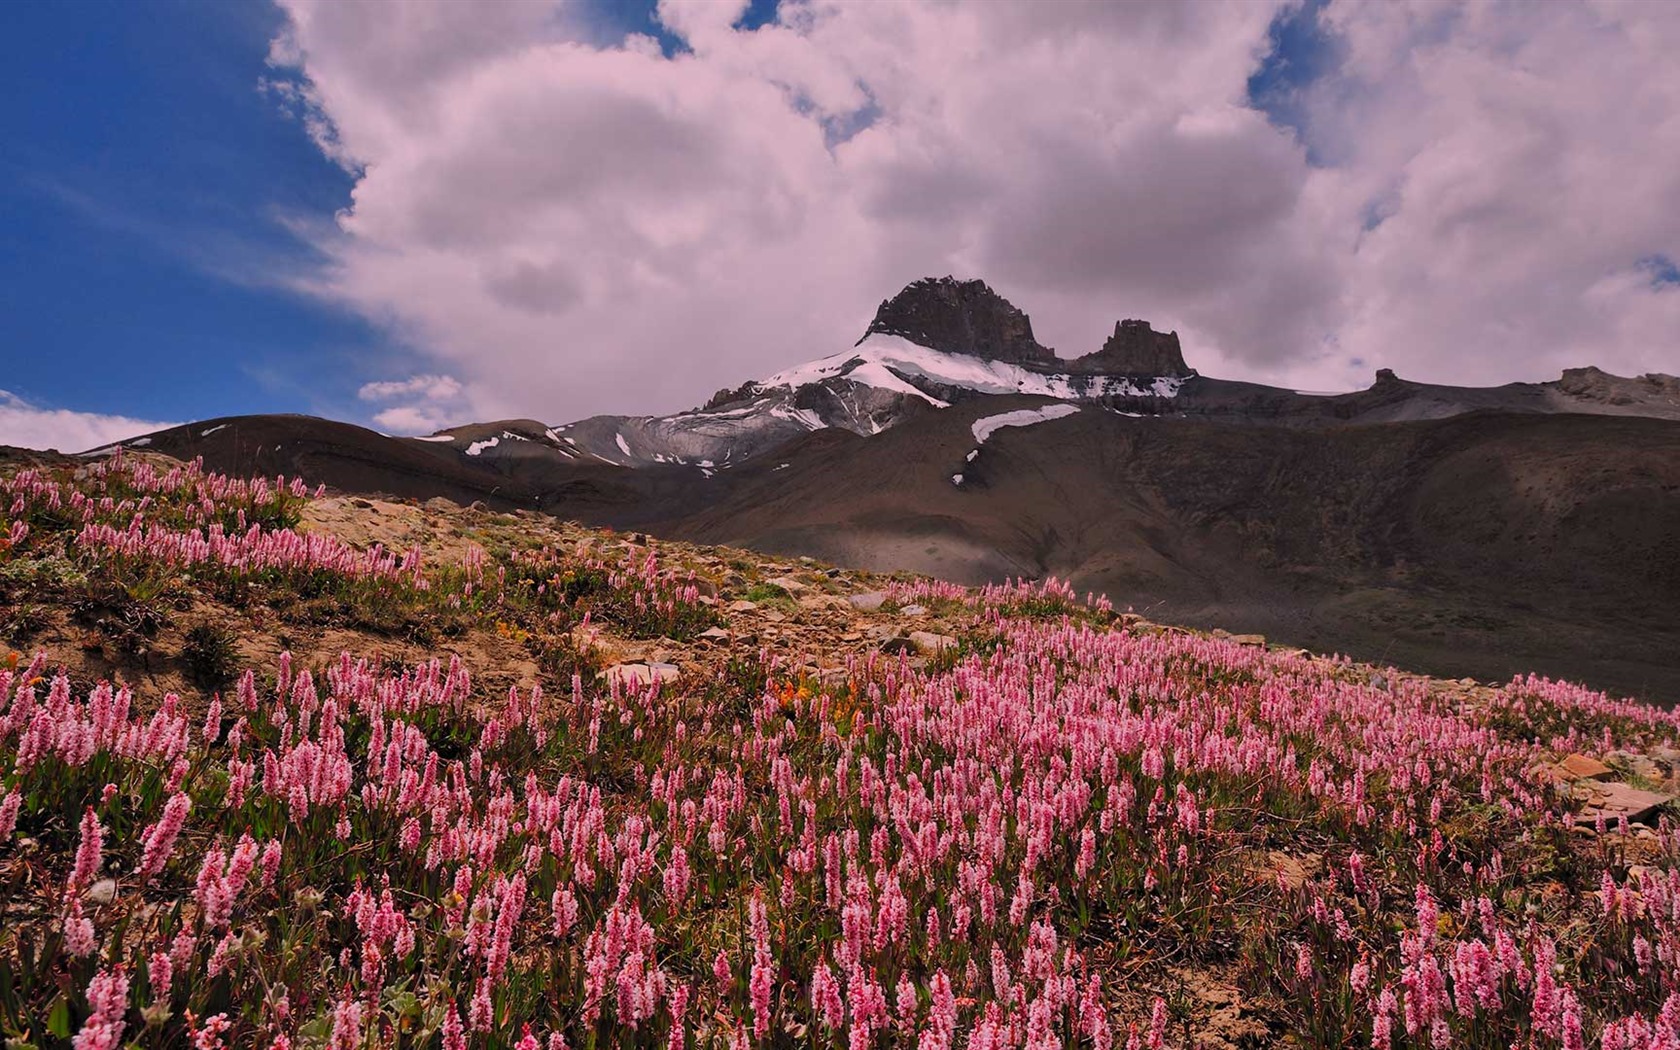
[(142, 193), (149, 191)]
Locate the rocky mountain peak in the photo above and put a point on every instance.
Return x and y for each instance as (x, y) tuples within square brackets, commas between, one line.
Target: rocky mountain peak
[(1137, 349), (960, 317)]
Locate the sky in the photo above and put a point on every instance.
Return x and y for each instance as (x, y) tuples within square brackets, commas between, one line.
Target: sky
[(415, 213)]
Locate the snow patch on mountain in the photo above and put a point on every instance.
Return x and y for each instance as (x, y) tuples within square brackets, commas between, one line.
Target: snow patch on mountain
[(986, 426), (882, 359)]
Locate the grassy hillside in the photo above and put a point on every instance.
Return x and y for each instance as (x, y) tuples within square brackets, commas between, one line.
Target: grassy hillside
[(285, 769)]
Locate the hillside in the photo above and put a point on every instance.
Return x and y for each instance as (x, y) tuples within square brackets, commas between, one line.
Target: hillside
[(1476, 532), (299, 769)]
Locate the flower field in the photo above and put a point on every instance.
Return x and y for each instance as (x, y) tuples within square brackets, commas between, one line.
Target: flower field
[(1026, 840)]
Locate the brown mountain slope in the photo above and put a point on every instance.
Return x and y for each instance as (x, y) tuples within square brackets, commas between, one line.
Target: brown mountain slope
[(1484, 544)]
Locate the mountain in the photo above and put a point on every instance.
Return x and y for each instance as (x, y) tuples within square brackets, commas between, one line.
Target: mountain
[(1466, 531)]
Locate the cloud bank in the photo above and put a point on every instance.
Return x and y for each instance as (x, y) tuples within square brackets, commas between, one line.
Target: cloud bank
[(27, 425), (573, 221)]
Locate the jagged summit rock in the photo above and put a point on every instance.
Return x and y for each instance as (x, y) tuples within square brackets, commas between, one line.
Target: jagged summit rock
[(1136, 349), (960, 317)]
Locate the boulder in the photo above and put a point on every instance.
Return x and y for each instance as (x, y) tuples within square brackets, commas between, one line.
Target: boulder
[(928, 642), (1614, 800), (1582, 767), (870, 602)]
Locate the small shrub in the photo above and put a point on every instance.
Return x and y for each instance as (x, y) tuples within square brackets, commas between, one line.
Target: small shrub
[(211, 654)]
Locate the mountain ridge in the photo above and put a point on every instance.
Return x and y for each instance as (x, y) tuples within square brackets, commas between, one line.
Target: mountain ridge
[(1471, 530)]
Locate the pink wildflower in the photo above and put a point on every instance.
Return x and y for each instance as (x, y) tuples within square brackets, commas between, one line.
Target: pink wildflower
[(89, 852), (158, 840)]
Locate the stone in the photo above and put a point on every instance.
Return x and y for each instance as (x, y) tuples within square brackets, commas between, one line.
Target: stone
[(1257, 641), (928, 642), (1613, 800), (788, 584), (1581, 767), (102, 892), (641, 674), (716, 634), (894, 646), (869, 602), (742, 605), (913, 610)]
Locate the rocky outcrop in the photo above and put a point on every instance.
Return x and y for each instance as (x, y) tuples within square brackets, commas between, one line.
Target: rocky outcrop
[(1136, 349), (960, 317), (1595, 384)]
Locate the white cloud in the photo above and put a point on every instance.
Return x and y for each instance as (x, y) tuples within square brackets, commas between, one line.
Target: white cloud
[(574, 226), (28, 425), (425, 403)]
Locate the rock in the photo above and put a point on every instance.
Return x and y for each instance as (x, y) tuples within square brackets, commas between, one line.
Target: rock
[(641, 674), (913, 610), (960, 317), (1379, 680), (870, 602), (894, 646), (716, 634), (1274, 866), (742, 605), (1581, 767), (1257, 641), (102, 892), (1638, 765), (1613, 800), (1136, 349), (928, 642), (788, 584)]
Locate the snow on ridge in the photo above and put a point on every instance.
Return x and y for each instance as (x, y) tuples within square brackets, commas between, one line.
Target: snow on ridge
[(880, 360), (436, 437), (623, 446), (212, 430), (986, 426), (477, 447), (804, 416)]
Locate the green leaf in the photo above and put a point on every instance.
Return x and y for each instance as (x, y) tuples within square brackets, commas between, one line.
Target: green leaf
[(58, 1018)]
